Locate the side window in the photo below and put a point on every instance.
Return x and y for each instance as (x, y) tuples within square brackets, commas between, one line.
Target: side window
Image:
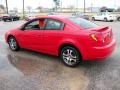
[(34, 25), (99, 14), (53, 25)]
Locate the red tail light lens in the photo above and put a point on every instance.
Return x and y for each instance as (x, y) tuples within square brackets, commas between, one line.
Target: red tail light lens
[(93, 36)]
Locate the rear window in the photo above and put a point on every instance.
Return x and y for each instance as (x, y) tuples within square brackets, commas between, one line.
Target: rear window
[(82, 22)]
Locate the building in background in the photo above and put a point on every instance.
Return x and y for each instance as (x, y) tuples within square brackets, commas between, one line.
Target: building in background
[(93, 9)]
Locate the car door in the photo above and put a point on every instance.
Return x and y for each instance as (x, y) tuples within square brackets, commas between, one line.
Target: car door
[(31, 36), (98, 17), (52, 35), (103, 15)]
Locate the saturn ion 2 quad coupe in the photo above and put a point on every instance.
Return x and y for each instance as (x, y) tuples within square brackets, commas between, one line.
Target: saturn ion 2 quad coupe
[(72, 39)]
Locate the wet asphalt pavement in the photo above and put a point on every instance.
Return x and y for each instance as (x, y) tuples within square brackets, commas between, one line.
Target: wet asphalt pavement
[(27, 70)]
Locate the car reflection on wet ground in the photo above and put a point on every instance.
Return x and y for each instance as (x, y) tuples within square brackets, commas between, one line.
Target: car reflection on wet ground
[(33, 71), (27, 70)]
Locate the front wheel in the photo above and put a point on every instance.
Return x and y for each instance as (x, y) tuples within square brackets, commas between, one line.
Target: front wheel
[(93, 19), (13, 44), (111, 20), (118, 18), (4, 20), (70, 56)]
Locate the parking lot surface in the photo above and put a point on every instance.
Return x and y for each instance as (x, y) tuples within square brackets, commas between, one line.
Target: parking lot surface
[(27, 70)]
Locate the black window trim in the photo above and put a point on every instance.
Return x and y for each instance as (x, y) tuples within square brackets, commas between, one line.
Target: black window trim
[(23, 27)]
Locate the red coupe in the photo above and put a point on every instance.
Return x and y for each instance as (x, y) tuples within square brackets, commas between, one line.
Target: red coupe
[(73, 39)]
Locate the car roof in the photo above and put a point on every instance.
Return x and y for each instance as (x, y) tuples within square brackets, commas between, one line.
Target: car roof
[(60, 17)]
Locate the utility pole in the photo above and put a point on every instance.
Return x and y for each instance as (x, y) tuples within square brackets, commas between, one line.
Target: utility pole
[(6, 7), (61, 5), (77, 5), (91, 7), (84, 6), (23, 8), (115, 4)]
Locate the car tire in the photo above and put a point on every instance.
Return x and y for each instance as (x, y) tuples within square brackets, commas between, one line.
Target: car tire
[(105, 19), (70, 56), (111, 20), (4, 20), (13, 45), (12, 19), (118, 18), (93, 19)]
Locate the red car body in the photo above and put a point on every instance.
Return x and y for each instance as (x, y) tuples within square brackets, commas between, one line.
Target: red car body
[(92, 43)]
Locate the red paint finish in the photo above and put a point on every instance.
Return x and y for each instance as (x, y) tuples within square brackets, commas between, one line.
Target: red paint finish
[(100, 46)]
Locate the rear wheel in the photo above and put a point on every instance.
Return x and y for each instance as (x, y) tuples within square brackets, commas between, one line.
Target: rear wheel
[(4, 20), (70, 56), (105, 19), (13, 44)]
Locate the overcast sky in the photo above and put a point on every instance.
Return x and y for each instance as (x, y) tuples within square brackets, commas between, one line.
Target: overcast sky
[(66, 3)]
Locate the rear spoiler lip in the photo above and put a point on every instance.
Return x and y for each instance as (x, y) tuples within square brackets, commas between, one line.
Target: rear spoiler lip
[(101, 28)]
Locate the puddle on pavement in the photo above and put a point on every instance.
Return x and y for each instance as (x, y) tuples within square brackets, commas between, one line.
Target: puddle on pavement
[(42, 70)]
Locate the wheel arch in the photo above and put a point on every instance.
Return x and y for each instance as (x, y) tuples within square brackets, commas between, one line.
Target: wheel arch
[(14, 37), (105, 18), (69, 44), (9, 37)]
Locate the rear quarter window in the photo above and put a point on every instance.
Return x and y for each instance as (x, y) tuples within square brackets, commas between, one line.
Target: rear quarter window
[(83, 23)]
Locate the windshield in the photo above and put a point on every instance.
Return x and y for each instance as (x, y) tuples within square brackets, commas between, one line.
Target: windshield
[(83, 23)]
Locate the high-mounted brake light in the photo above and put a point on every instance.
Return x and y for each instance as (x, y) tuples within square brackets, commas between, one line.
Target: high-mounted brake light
[(93, 36)]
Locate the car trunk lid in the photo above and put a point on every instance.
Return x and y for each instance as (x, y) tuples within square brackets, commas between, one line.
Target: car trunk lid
[(104, 34)]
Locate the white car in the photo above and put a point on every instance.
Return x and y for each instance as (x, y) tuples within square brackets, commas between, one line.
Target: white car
[(29, 17), (104, 16)]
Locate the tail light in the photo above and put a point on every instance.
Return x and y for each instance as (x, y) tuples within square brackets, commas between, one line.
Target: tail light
[(93, 36)]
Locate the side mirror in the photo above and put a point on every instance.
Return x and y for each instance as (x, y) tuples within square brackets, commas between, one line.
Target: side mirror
[(22, 27)]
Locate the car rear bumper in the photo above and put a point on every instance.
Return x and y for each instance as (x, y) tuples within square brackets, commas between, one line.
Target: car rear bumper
[(99, 53), (112, 19)]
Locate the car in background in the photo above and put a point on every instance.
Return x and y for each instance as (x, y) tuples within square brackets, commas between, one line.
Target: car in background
[(104, 16), (81, 15), (10, 17), (1, 18), (29, 17), (71, 38), (52, 13), (118, 18)]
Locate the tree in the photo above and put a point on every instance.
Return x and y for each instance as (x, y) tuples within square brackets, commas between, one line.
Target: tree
[(103, 9), (71, 7), (39, 8), (118, 9), (57, 4), (2, 7), (29, 9), (15, 10)]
